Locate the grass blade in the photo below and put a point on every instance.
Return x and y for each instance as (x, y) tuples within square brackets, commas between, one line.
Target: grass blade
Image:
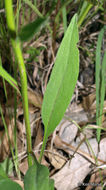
[(5, 75), (86, 6), (98, 79), (102, 94)]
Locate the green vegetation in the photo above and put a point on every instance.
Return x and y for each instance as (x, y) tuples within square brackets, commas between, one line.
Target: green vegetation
[(100, 81), (64, 74)]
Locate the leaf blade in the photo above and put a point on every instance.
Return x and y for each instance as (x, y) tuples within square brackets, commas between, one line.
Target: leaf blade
[(65, 72), (8, 184), (4, 74), (37, 178)]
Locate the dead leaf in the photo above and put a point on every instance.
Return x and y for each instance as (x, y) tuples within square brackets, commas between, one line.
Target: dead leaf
[(38, 133), (34, 98), (24, 166), (102, 153), (68, 131), (71, 174), (96, 180), (89, 100), (56, 159), (75, 171)]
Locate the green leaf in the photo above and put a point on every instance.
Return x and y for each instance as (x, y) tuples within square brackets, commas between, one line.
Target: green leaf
[(63, 79), (37, 178), (100, 70), (2, 174), (4, 74), (8, 184), (28, 31), (51, 184), (83, 11), (7, 165)]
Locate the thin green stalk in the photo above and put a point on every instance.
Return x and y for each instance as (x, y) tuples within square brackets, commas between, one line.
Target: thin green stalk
[(84, 11), (33, 7), (43, 146), (17, 14), (17, 49), (22, 70)]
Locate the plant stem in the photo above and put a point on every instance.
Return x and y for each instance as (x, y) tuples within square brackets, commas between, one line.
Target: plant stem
[(43, 146), (17, 49)]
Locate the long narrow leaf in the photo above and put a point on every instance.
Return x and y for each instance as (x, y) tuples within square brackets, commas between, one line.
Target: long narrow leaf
[(86, 6), (102, 94), (98, 61), (5, 75), (63, 79), (98, 68)]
